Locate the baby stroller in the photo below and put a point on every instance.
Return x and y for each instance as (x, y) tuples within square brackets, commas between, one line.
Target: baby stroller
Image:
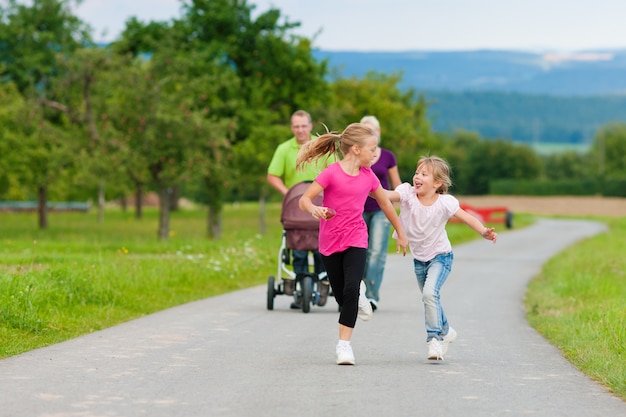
[(300, 232)]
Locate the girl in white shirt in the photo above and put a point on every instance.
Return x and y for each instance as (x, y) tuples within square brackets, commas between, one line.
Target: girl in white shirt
[(425, 208)]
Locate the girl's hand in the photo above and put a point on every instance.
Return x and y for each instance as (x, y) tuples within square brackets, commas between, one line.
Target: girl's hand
[(490, 234), (325, 213), (402, 243)]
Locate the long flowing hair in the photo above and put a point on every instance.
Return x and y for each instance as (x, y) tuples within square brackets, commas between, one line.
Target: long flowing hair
[(332, 143)]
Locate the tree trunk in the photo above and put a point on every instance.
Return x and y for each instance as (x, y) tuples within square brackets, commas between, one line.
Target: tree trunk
[(262, 212), (101, 202), (164, 213), (138, 201), (174, 197), (214, 222), (42, 206), (215, 190), (124, 203)]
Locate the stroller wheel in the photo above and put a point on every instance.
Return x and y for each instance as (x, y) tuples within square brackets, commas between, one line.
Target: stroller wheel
[(323, 288), (271, 293), (307, 293)]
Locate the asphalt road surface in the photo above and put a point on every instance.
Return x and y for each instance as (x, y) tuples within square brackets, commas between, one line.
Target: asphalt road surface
[(230, 356)]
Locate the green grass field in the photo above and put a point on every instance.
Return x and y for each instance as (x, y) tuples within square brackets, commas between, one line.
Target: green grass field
[(79, 276), (578, 303)]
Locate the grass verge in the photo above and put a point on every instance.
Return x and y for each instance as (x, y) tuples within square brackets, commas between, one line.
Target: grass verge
[(577, 303), (80, 276)]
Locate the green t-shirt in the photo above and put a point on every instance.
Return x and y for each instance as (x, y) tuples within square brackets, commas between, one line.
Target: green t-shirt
[(283, 164)]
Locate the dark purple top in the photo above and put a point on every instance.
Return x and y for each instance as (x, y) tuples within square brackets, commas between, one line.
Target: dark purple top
[(381, 168)]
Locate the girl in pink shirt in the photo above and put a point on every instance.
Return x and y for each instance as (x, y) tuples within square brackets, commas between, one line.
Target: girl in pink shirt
[(343, 233)]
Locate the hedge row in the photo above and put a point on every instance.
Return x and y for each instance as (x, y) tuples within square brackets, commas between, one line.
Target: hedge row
[(613, 187)]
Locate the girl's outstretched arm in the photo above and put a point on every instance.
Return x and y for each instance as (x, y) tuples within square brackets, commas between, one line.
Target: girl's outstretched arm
[(381, 196), (393, 196), (486, 232)]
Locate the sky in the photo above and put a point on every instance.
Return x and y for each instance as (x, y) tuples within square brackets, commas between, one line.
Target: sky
[(405, 25)]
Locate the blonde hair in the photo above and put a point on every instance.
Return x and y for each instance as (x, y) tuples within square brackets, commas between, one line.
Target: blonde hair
[(372, 120), (440, 170), (330, 143)]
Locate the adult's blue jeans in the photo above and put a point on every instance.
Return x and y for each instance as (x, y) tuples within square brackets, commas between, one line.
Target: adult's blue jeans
[(431, 276), (301, 262), (378, 227)]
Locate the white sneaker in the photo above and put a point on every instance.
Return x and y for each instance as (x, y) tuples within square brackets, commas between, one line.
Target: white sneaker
[(447, 339), (365, 308), (435, 350), (345, 356), (451, 336)]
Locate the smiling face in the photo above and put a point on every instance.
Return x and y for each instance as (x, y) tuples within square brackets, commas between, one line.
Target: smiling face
[(301, 128), (424, 181)]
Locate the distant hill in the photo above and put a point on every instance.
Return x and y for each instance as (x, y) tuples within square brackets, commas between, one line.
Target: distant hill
[(525, 118), (525, 97), (582, 73)]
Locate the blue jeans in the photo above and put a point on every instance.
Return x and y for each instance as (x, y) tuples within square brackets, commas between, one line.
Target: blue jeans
[(431, 276), (301, 262), (378, 227)]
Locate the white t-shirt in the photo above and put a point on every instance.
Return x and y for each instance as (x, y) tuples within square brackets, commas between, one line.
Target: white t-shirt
[(425, 226)]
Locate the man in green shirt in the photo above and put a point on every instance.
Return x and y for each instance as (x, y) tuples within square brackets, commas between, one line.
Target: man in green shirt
[(282, 175)]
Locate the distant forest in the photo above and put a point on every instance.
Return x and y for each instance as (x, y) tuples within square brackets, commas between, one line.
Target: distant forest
[(524, 118), (534, 98)]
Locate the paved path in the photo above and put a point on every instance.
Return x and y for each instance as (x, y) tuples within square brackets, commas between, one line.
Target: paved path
[(229, 356)]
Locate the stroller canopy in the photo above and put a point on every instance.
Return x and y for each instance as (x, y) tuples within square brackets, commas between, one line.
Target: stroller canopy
[(292, 217), (301, 228)]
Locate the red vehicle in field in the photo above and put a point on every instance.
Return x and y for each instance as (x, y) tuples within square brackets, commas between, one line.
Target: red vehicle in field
[(490, 214)]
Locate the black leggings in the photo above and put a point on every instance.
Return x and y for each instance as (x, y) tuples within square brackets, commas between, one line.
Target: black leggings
[(345, 271)]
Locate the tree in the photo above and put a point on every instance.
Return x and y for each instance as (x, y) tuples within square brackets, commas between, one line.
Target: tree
[(176, 122), (129, 104), (456, 147), (274, 75), (499, 159), (277, 70), (567, 165), (153, 126), (608, 151), (45, 150), (31, 37), (12, 110), (81, 95)]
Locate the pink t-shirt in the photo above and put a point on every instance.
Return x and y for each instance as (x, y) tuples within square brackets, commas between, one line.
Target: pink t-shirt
[(346, 194), (425, 226)]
